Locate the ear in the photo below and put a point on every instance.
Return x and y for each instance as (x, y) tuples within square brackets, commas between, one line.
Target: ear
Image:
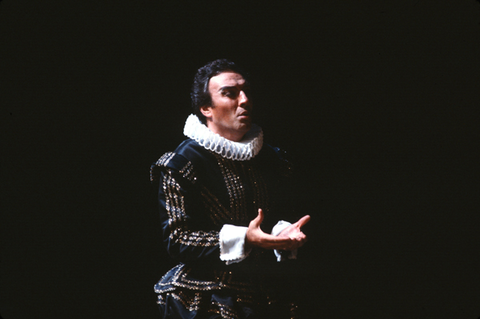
[(206, 111)]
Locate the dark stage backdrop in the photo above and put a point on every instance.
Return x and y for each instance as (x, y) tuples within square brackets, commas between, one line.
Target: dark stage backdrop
[(375, 101)]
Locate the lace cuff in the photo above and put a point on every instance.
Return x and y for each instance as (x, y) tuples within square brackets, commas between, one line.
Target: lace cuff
[(232, 244), (282, 254)]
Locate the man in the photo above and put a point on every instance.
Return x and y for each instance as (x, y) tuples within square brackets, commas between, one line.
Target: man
[(216, 190)]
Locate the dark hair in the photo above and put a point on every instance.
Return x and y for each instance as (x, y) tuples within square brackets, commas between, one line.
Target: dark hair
[(200, 94)]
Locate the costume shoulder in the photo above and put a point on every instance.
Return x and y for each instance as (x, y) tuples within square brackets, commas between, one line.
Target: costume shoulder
[(180, 161), (280, 157)]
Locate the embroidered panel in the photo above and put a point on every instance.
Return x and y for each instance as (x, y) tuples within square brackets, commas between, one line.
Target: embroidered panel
[(177, 218), (260, 193), (187, 170), (189, 301), (219, 214), (188, 173), (174, 201), (179, 277), (162, 161), (238, 177), (195, 238), (235, 188), (223, 310)]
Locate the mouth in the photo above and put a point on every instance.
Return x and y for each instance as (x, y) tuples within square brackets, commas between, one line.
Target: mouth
[(245, 118)]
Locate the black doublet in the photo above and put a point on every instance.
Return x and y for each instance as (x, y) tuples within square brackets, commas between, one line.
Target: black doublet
[(199, 192)]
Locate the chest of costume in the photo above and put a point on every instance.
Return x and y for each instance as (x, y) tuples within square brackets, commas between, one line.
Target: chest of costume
[(233, 191)]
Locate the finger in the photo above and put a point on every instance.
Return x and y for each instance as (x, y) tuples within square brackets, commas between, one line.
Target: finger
[(300, 236), (259, 219), (297, 236), (302, 221), (297, 243)]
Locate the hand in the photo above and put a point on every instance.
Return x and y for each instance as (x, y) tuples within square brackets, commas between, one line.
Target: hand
[(294, 232), (289, 239)]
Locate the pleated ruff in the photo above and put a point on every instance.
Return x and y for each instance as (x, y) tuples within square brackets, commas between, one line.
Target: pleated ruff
[(244, 150)]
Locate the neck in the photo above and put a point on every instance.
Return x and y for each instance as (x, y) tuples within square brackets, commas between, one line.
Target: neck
[(231, 135)]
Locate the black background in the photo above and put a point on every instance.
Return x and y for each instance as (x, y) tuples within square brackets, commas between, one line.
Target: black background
[(376, 102)]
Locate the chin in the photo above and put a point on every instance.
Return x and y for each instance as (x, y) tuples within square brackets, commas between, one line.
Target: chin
[(246, 122), (245, 127)]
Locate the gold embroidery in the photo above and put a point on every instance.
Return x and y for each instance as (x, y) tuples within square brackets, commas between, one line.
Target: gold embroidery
[(160, 300), (218, 213), (235, 189), (236, 176), (260, 194), (174, 203), (198, 238), (175, 206), (188, 172), (222, 279), (223, 310), (191, 303), (162, 161)]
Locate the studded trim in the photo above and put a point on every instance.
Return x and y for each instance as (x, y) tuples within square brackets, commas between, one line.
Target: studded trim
[(177, 218)]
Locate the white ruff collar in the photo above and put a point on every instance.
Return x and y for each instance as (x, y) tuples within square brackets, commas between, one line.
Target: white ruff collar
[(238, 151)]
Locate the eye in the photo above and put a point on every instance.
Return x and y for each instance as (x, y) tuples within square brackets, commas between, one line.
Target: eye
[(229, 93)]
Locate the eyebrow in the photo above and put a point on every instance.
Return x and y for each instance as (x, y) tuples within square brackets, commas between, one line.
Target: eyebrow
[(227, 87)]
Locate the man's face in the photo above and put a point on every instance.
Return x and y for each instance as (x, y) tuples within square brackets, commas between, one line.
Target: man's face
[(230, 114)]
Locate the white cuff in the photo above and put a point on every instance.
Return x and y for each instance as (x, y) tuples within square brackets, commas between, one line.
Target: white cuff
[(277, 229), (232, 244)]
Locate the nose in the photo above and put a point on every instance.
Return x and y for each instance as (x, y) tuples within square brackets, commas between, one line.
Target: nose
[(243, 98)]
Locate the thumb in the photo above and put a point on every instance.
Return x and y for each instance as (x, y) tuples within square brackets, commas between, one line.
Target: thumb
[(259, 219)]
